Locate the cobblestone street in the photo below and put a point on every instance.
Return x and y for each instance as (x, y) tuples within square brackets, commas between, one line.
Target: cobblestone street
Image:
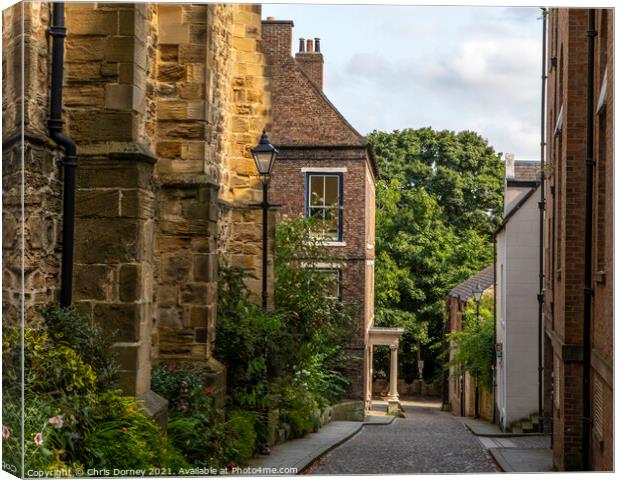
[(425, 441)]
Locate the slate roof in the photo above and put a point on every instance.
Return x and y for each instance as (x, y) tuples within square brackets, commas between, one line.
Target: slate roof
[(466, 289), (527, 170)]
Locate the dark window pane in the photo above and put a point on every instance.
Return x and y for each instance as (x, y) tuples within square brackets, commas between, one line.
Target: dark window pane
[(317, 190), (331, 191)]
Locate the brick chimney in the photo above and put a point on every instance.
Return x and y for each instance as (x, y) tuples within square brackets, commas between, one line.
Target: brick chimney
[(310, 59), (277, 38)]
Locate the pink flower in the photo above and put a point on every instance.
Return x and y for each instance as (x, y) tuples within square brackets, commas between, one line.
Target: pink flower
[(38, 438), (56, 422), (208, 391), (5, 431)]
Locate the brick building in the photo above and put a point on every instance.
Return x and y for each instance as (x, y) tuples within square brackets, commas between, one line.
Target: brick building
[(579, 117), (325, 169), (461, 387), (164, 102)]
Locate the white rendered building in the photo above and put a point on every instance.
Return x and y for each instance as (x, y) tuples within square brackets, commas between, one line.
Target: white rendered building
[(517, 270)]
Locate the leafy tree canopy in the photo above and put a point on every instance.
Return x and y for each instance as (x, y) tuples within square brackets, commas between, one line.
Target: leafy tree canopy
[(439, 198)]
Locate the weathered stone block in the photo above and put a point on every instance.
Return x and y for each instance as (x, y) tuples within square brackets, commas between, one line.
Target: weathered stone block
[(204, 270), (96, 173), (194, 293), (120, 49), (136, 204), (100, 125), (120, 319), (189, 130), (176, 267), (171, 72), (129, 283), (200, 316), (169, 149), (201, 335), (97, 203), (84, 95), (171, 26), (168, 53), (167, 295), (103, 240), (119, 96), (92, 282), (192, 53), (191, 91), (85, 49), (84, 22)]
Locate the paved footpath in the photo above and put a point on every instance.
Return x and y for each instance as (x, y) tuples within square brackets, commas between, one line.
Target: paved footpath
[(427, 440)]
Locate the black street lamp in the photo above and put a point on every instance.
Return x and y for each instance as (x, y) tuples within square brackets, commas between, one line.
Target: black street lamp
[(265, 155), (477, 297)]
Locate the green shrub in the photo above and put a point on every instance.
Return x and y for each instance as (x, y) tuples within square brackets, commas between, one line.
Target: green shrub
[(474, 346), (122, 435), (54, 369), (67, 327), (196, 426), (296, 409), (240, 437)]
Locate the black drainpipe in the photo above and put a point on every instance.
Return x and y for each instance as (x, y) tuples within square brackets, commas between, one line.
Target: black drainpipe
[(58, 32), (588, 291), (541, 209)]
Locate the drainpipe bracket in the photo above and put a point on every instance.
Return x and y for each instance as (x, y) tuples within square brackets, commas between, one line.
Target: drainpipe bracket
[(69, 161), (541, 297), (56, 31), (54, 124), (589, 291)]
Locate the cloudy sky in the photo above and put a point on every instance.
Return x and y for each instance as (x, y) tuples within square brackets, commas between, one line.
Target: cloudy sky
[(394, 67)]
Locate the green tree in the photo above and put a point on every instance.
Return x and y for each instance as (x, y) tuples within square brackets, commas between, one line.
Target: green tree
[(473, 348), (439, 198)]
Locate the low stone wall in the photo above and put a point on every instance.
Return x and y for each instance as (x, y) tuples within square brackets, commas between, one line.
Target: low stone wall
[(416, 388), (350, 410)]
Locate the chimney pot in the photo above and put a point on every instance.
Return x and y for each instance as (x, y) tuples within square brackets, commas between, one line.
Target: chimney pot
[(271, 19), (317, 45), (309, 45), (302, 45)]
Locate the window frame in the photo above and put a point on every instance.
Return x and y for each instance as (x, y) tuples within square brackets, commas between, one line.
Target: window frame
[(338, 272), (340, 207)]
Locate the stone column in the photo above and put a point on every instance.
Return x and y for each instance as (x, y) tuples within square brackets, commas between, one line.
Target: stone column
[(369, 379), (393, 393)]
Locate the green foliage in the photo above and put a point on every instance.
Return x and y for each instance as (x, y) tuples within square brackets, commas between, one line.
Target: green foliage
[(296, 349), (196, 427), (474, 346), (72, 421), (297, 408), (54, 369), (240, 437), (305, 330), (185, 390), (122, 435), (439, 198), (66, 327)]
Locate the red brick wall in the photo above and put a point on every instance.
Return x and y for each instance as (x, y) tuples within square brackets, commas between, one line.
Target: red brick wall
[(288, 188), (565, 244)]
